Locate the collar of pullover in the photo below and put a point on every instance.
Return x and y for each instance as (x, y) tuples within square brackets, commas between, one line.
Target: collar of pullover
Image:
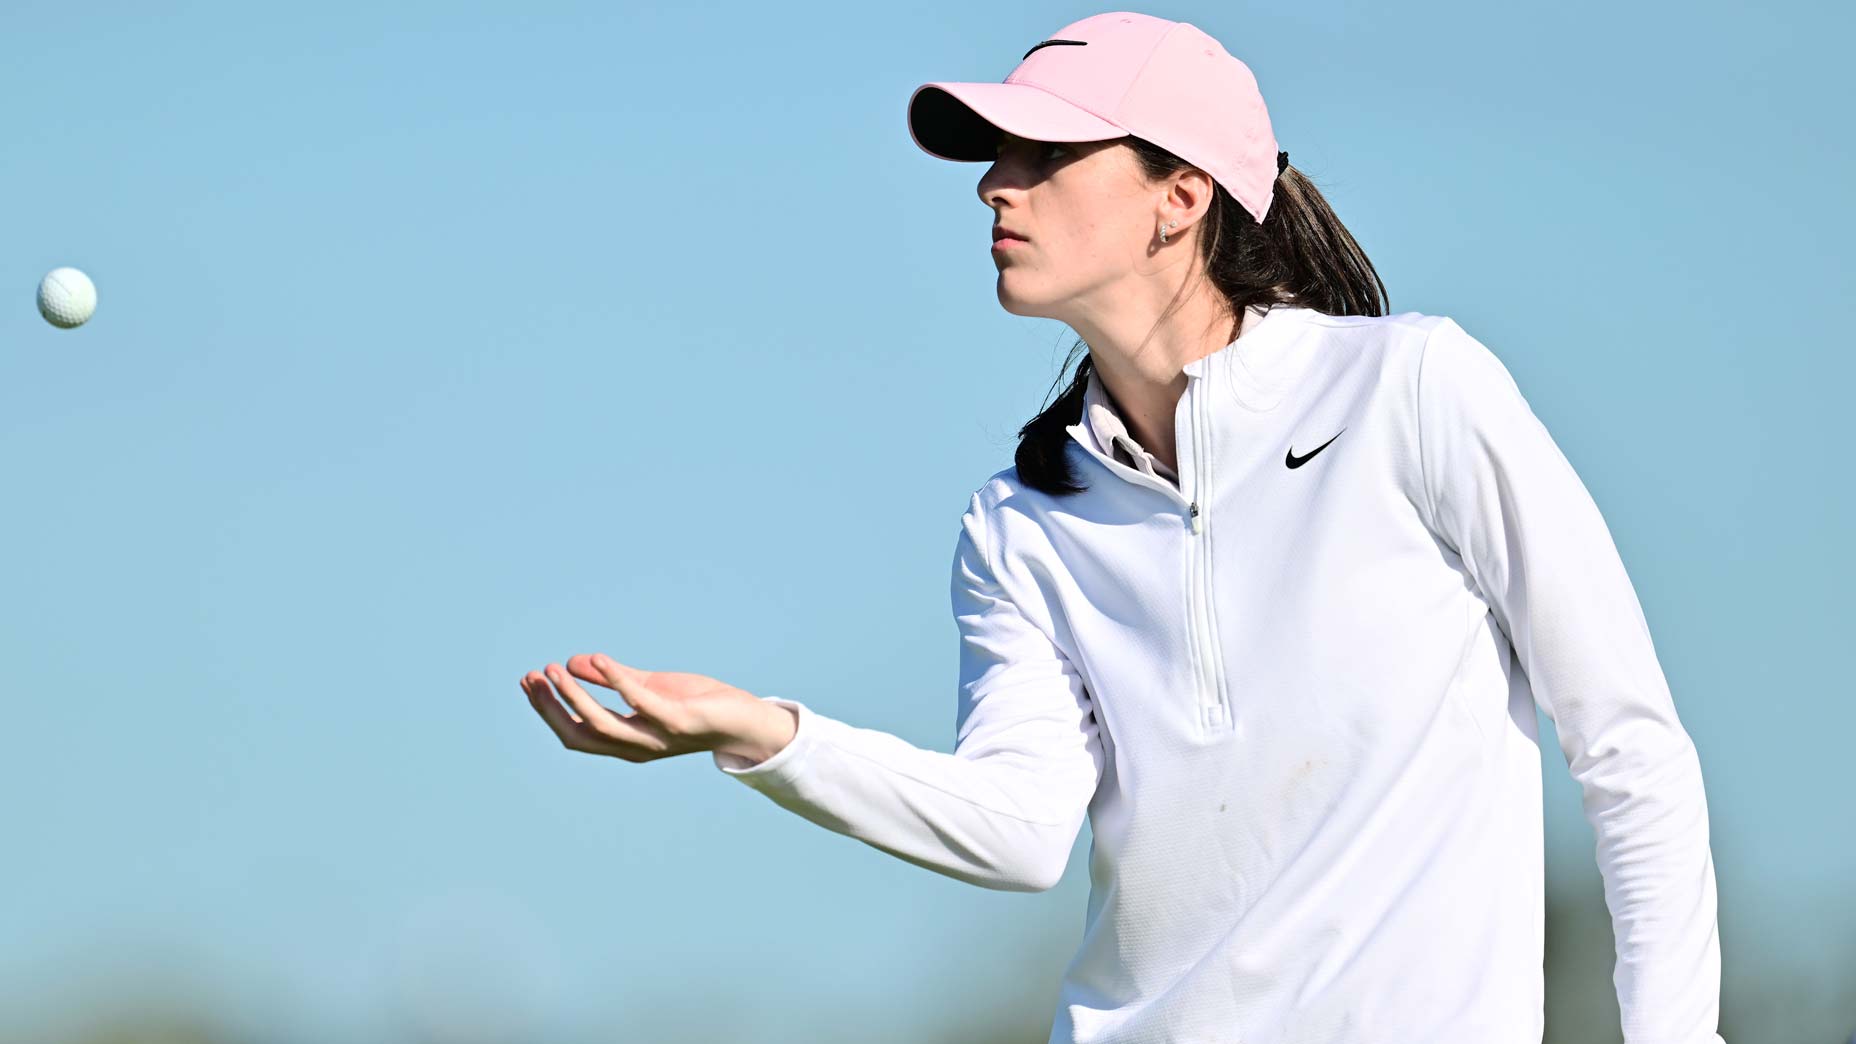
[(1258, 367)]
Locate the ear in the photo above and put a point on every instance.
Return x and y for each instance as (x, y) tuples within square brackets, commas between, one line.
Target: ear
[(1191, 195)]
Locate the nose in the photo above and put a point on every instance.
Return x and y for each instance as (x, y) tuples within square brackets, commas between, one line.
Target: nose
[(988, 185), (999, 187)]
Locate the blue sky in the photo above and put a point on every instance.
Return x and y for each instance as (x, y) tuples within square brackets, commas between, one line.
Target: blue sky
[(439, 343)]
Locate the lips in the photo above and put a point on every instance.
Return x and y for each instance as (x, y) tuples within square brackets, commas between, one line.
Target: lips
[(1006, 233)]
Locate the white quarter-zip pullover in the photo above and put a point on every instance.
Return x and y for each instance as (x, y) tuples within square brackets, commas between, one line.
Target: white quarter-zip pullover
[(1295, 695)]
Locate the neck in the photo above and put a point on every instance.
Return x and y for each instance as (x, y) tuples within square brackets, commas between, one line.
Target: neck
[(1143, 373)]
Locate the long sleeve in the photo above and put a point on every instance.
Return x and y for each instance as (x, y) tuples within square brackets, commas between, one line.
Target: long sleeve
[(1505, 497), (1003, 810)]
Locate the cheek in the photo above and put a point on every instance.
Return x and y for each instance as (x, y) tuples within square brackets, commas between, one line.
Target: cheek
[(1091, 252), (1094, 238)]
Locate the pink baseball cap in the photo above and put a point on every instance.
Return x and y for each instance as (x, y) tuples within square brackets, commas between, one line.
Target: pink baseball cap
[(1112, 75)]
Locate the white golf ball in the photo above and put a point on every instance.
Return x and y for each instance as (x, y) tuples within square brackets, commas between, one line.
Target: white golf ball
[(67, 297)]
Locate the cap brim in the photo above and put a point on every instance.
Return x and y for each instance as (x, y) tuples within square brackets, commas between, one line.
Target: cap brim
[(962, 121)]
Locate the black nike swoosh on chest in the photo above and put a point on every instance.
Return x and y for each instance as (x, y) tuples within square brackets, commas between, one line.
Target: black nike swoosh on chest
[(1295, 462)]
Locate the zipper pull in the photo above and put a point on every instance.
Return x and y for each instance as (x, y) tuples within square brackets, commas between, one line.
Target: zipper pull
[(1195, 517)]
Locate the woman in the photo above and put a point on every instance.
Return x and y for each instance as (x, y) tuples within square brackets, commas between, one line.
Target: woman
[(1270, 594)]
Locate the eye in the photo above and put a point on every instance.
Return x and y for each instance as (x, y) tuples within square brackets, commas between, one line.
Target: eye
[(1000, 147)]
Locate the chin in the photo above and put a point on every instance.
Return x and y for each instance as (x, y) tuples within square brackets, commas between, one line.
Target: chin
[(1018, 305)]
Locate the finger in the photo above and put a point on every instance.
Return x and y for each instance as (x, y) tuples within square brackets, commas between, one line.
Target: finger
[(564, 726), (587, 669), (603, 721), (630, 683), (574, 733), (536, 685), (580, 665)]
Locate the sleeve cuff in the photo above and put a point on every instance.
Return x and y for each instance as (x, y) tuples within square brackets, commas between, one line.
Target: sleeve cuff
[(785, 762)]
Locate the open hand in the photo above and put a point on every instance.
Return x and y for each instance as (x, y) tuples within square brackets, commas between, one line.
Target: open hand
[(672, 712)]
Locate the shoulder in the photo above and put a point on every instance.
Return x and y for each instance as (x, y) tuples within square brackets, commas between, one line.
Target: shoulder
[(1382, 332), (1429, 355), (983, 503), (1004, 495), (1392, 325), (1375, 348), (979, 518), (1013, 522), (999, 504), (1456, 370)]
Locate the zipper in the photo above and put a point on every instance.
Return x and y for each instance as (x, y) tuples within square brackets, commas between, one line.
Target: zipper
[(1211, 707), (1202, 648)]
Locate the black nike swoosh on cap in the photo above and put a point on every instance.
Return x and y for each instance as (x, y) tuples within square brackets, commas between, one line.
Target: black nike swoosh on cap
[(1047, 43), (1295, 462)]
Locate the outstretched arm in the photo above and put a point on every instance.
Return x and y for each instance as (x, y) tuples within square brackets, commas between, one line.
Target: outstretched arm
[(1003, 810)]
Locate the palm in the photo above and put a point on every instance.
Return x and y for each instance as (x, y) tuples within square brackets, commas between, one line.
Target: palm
[(706, 709), (697, 692), (673, 712)]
